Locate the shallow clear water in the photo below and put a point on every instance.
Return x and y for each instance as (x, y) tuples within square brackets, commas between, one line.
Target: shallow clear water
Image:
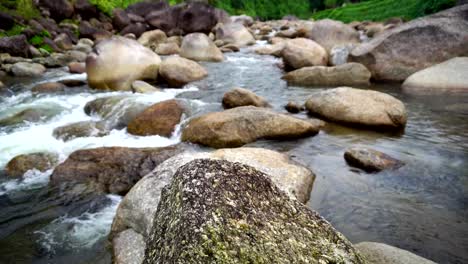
[(421, 207)]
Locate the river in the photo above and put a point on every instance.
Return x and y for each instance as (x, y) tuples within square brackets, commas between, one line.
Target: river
[(421, 207)]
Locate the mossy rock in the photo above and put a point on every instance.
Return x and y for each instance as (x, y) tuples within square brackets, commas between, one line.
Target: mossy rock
[(222, 212)]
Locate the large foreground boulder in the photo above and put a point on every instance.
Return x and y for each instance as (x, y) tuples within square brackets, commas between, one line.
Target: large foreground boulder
[(118, 62), (302, 52), (396, 54), (329, 33), (241, 125), (216, 210), (158, 119), (111, 169), (378, 253), (234, 33), (359, 107), (179, 71), (198, 47), (349, 74), (450, 76)]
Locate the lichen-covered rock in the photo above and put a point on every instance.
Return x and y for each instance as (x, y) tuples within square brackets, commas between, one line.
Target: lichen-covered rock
[(219, 211), (348, 74), (111, 169), (128, 248), (237, 97), (158, 119), (371, 160), (241, 125), (81, 129), (179, 71), (378, 253), (40, 161), (118, 62), (448, 77), (301, 52), (359, 107), (198, 47)]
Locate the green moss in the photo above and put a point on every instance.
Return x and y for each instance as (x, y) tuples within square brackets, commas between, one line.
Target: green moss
[(107, 6)]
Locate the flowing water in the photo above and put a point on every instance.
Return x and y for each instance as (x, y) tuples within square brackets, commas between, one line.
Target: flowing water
[(421, 207)]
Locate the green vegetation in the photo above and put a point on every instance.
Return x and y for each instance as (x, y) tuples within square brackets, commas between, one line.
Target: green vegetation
[(380, 10), (107, 6), (265, 9), (23, 8), (38, 41), (15, 30)]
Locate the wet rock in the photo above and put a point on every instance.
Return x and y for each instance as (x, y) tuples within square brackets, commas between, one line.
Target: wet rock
[(376, 253), (26, 69), (158, 119), (136, 211), (152, 38), (370, 160), (15, 46), (242, 97), (359, 107), (218, 228), (128, 247), (245, 20), (59, 9), (242, 125), (198, 47), (72, 82), (41, 161), (349, 74), (48, 87), (120, 19), (301, 52), (329, 33), (77, 67), (85, 9), (179, 71), (447, 77), (396, 54), (234, 33), (135, 62), (167, 49), (30, 115), (136, 29), (143, 87), (117, 111), (112, 169), (81, 129), (294, 107)]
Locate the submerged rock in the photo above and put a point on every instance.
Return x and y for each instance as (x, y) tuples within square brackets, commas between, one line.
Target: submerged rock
[(448, 77), (378, 253), (81, 129), (111, 169), (301, 52), (30, 115), (180, 71), (237, 97), (158, 119), (348, 74), (41, 161), (198, 47), (359, 107), (396, 54), (370, 160), (49, 87), (241, 125), (118, 62), (219, 210)]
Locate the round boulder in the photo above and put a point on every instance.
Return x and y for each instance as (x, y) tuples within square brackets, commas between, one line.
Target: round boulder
[(26, 69), (359, 107), (234, 33), (242, 97), (301, 52), (179, 71), (199, 47), (41, 161)]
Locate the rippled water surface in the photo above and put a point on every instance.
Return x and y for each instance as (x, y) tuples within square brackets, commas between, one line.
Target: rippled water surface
[(421, 207)]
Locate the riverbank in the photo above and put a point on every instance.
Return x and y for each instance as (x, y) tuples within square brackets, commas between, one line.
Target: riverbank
[(115, 141)]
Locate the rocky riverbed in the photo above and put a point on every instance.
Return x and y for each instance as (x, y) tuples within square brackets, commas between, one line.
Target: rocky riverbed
[(225, 138)]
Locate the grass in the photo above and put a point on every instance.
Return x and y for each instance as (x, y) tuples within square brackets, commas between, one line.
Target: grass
[(380, 10)]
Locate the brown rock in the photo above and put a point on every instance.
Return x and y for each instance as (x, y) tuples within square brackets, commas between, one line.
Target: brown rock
[(49, 87), (77, 67), (329, 33), (301, 52), (180, 71), (41, 161), (167, 49), (242, 97), (158, 119), (198, 47), (370, 160)]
